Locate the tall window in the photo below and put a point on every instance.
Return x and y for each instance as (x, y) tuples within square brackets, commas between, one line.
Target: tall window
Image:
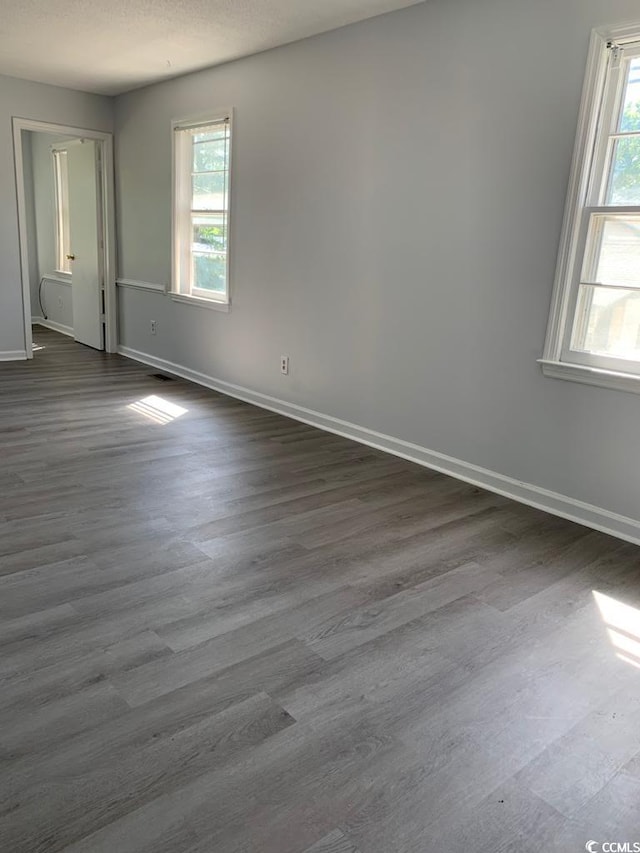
[(61, 183), (202, 172), (595, 323)]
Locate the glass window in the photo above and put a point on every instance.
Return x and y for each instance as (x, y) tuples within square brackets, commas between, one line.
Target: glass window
[(202, 171)]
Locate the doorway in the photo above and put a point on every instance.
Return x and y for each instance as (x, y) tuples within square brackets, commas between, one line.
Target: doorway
[(64, 179)]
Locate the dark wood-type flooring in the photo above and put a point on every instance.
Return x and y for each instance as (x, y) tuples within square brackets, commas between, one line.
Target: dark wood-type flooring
[(228, 631)]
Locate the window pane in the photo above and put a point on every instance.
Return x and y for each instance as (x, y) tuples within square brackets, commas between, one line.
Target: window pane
[(613, 250), (624, 183), (209, 191), (608, 322), (202, 209), (219, 131), (209, 155), (630, 115), (210, 272), (209, 234), (63, 239)]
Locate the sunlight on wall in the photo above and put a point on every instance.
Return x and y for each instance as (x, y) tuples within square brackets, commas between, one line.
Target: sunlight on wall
[(623, 627), (157, 409)]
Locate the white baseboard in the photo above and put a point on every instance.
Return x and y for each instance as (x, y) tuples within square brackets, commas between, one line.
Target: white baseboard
[(53, 325), (13, 355), (586, 514)]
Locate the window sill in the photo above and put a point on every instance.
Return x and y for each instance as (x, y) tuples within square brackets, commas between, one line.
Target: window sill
[(591, 375), (203, 303), (60, 277)]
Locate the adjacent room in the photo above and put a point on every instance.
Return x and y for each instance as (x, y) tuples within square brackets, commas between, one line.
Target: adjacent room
[(319, 376)]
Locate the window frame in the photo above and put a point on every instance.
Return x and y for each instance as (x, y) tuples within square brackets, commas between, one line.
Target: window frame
[(182, 289), (602, 89), (62, 264)]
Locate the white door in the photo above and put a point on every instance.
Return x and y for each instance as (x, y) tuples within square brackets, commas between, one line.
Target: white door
[(84, 223)]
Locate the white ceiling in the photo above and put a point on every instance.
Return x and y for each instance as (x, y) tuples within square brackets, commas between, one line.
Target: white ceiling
[(112, 46)]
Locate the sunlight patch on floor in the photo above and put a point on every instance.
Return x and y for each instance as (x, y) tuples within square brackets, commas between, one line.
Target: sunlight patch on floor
[(157, 409), (623, 627)]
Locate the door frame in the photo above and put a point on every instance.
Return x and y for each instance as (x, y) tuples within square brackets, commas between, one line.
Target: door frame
[(107, 218)]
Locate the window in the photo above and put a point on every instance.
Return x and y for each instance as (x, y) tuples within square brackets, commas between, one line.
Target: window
[(594, 329), (61, 184), (202, 171)]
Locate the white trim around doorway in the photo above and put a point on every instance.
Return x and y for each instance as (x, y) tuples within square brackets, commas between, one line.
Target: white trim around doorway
[(105, 141)]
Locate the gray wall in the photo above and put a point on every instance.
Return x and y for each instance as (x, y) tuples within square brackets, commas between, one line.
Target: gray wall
[(397, 202), (44, 103)]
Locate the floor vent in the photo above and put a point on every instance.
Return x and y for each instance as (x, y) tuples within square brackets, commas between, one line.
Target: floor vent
[(161, 377)]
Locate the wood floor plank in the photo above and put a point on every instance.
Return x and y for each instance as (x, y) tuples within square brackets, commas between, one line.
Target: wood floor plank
[(334, 842), (73, 673), (579, 765), (261, 633), (52, 721), (339, 635), (60, 812), (36, 624), (611, 815), (150, 682)]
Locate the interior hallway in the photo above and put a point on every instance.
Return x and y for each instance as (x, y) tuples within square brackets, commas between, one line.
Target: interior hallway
[(223, 630)]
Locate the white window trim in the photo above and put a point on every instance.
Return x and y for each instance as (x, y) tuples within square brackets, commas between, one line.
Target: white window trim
[(554, 361), (209, 302), (215, 302)]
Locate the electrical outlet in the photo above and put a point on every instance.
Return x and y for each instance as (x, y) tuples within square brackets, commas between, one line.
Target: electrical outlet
[(284, 364), (153, 327), (60, 303)]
